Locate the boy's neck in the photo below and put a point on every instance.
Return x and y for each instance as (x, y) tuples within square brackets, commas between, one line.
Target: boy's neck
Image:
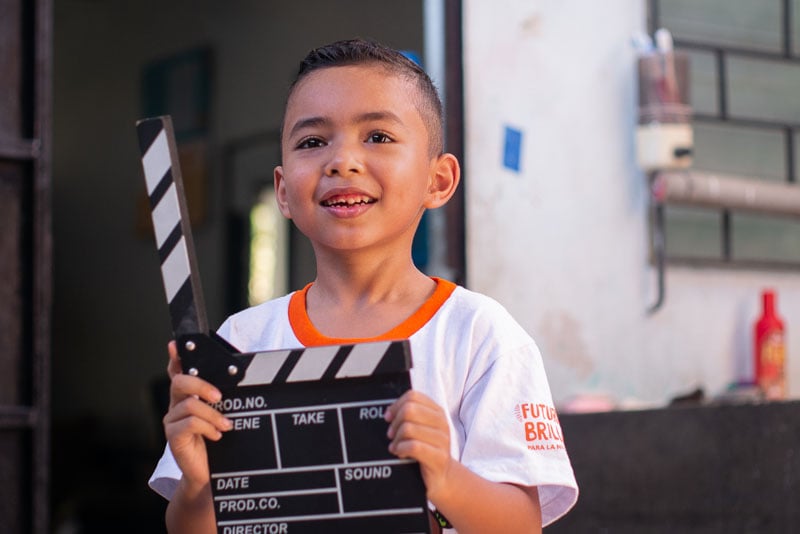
[(362, 299)]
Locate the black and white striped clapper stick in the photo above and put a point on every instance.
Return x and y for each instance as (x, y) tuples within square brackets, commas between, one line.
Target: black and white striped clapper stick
[(171, 224), (326, 363)]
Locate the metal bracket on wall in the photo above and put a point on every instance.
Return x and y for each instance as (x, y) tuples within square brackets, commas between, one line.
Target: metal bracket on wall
[(659, 255)]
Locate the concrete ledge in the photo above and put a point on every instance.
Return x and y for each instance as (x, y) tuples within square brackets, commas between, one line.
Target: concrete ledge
[(690, 470)]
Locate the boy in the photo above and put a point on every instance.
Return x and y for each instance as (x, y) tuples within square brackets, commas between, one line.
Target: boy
[(362, 159)]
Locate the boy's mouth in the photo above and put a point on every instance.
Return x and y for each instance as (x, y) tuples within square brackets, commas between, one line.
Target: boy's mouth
[(347, 200)]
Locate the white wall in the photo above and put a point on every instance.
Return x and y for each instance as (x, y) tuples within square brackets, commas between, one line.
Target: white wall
[(564, 243)]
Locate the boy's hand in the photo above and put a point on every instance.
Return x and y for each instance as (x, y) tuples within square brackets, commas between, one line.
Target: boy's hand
[(418, 429), (190, 419)]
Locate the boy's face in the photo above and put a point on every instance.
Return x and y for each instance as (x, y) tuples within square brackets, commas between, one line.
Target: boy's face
[(357, 170)]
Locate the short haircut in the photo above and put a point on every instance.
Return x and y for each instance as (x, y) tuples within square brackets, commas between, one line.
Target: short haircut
[(363, 52)]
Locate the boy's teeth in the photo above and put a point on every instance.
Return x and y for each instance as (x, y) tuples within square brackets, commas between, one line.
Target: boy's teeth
[(346, 201)]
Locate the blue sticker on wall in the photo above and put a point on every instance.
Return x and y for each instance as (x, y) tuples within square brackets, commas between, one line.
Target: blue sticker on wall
[(512, 148)]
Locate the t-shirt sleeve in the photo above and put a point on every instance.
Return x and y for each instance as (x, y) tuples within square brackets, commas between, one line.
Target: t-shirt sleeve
[(512, 431), (166, 475)]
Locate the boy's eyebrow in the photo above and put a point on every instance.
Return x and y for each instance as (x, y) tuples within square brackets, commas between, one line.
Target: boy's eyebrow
[(378, 116), (310, 122), (316, 122)]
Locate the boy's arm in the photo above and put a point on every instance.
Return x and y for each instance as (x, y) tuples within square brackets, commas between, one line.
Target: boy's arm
[(473, 504), (188, 421), (191, 509), (418, 429)]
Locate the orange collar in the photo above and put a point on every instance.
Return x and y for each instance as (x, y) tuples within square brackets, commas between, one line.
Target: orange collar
[(309, 336)]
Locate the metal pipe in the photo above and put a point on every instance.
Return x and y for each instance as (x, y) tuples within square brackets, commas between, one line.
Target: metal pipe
[(727, 192), (436, 67)]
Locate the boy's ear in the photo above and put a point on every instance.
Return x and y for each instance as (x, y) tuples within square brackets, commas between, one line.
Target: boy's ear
[(280, 192), (445, 175)]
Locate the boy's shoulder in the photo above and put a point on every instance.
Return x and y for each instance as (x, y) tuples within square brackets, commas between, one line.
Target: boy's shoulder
[(262, 310), (475, 299), (481, 314), (475, 303), (264, 326)]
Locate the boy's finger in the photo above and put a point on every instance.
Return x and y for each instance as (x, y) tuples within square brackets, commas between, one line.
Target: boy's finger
[(434, 436), (195, 408), (409, 411), (174, 365), (411, 396), (391, 411), (421, 451), (191, 386), (191, 426)]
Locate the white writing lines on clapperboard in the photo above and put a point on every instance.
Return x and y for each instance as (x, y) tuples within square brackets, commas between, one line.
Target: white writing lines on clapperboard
[(309, 408), (310, 414), (255, 472), (289, 519)]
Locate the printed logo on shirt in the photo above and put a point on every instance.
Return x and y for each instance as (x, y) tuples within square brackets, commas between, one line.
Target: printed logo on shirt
[(540, 426)]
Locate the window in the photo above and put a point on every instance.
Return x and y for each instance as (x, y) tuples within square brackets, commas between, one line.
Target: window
[(744, 89), (268, 231)]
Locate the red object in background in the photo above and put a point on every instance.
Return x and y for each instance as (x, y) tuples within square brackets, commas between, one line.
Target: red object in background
[(770, 350)]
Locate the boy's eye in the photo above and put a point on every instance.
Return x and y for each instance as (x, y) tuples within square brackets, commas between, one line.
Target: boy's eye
[(310, 142), (379, 137)]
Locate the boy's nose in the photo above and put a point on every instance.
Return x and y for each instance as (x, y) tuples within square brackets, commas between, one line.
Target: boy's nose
[(344, 161)]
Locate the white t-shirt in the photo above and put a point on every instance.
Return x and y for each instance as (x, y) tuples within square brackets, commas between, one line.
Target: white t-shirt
[(473, 359)]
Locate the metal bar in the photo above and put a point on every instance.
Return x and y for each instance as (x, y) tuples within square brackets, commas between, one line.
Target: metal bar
[(722, 84), (454, 135), (17, 149), (15, 417), (435, 54), (743, 264), (786, 27), (737, 51), (43, 260), (727, 239), (727, 192), (750, 123), (654, 16), (791, 163), (660, 255)]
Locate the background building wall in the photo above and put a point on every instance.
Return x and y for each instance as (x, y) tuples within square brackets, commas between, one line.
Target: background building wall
[(563, 242)]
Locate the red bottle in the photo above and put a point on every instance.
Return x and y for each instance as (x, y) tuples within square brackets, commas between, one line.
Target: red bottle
[(770, 350)]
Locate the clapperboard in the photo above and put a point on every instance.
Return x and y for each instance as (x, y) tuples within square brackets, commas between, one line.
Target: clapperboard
[(308, 452)]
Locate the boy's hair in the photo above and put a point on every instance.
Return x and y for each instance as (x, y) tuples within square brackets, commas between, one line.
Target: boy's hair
[(363, 52)]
